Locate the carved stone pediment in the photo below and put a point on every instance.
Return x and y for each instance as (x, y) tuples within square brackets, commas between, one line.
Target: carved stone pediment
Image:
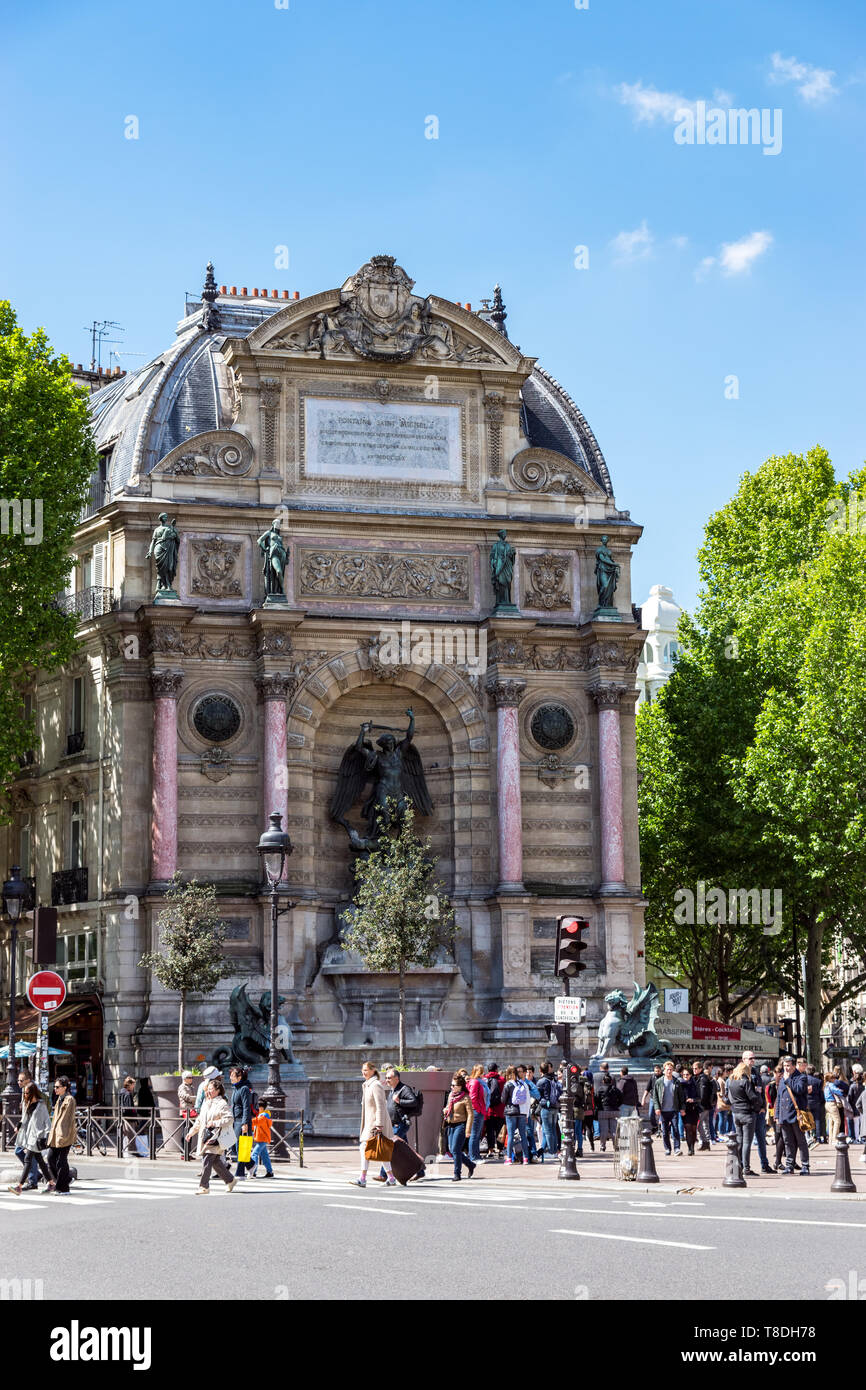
[(214, 454), (375, 316), (545, 470)]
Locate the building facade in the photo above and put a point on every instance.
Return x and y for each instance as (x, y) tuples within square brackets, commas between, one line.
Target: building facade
[(391, 438)]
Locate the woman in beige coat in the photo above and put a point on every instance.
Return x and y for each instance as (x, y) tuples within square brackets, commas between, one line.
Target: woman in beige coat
[(374, 1120), (215, 1116)]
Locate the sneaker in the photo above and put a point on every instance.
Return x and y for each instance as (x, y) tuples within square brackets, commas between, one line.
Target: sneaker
[(230, 1186), (667, 1153), (203, 1192), (378, 1177), (678, 1153), (16, 1188), (360, 1182), (526, 1161), (390, 1181), (749, 1173), (804, 1171), (509, 1160), (455, 1179), (269, 1175), (768, 1170)]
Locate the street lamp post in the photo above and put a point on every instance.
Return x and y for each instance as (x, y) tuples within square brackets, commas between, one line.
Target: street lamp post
[(274, 848), (14, 893)]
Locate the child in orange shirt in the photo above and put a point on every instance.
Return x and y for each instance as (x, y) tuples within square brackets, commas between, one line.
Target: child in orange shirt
[(261, 1140)]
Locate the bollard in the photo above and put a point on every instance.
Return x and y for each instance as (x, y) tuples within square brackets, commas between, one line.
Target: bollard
[(647, 1172), (843, 1181), (733, 1171)]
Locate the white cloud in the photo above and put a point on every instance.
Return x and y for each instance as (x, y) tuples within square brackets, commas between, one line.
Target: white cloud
[(737, 257), (633, 246), (813, 84), (680, 242), (651, 106)]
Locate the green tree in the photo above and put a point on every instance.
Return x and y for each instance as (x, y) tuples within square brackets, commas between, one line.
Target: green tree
[(401, 915), (752, 754), (46, 461), (192, 934)]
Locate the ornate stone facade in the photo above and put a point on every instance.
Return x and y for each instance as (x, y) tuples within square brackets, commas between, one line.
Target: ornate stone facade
[(391, 436)]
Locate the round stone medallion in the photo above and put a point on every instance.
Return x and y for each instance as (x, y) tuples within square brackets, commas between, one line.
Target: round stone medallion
[(216, 718), (552, 727)]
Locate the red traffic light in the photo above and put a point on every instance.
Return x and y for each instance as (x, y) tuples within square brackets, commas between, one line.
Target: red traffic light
[(572, 1069), (569, 945)]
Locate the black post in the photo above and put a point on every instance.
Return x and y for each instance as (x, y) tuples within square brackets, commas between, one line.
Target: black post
[(567, 1166), (842, 1181), (11, 1092), (647, 1171), (274, 1092), (798, 1038)]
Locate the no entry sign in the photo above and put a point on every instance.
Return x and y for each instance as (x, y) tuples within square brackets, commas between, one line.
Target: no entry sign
[(46, 990)]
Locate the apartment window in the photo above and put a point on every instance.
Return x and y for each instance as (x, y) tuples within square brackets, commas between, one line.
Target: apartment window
[(77, 711), (76, 956), (76, 835)]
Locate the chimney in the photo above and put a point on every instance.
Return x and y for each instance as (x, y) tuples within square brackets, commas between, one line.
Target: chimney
[(234, 289), (255, 294), (222, 289), (468, 306), (285, 294), (296, 294), (244, 290)]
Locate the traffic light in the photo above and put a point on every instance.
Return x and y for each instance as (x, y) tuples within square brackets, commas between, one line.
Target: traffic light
[(570, 945), (787, 1025), (557, 1033), (573, 1080)]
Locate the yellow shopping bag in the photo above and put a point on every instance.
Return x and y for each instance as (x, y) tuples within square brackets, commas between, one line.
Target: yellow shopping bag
[(245, 1148)]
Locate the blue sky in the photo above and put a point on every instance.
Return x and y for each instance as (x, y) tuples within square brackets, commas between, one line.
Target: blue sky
[(305, 127)]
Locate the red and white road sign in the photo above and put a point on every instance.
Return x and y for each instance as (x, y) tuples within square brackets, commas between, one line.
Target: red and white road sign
[(46, 990)]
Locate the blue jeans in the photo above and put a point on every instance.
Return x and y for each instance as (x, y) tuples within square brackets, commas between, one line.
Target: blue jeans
[(478, 1123), (550, 1130), (456, 1140), (260, 1155), (670, 1128), (241, 1169), (761, 1137), (512, 1123), (31, 1173), (725, 1123)]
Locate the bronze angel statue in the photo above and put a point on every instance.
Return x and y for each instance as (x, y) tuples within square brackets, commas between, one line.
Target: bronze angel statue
[(397, 774), (629, 1025)]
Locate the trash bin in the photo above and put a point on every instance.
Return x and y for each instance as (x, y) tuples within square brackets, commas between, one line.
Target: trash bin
[(626, 1149)]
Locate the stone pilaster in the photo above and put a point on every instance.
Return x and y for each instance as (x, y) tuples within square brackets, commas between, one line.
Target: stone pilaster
[(163, 827), (607, 698), (506, 694)]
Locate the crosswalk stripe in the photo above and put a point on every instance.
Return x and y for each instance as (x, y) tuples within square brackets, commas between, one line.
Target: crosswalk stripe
[(365, 1206), (22, 1206), (633, 1240)]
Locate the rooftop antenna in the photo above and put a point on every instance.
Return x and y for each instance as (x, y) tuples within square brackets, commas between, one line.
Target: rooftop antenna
[(97, 332)]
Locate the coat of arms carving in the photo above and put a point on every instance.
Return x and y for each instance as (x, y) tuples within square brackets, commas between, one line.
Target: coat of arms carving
[(214, 566), (546, 574)]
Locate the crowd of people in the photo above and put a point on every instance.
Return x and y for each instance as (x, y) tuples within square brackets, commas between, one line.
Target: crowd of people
[(514, 1116)]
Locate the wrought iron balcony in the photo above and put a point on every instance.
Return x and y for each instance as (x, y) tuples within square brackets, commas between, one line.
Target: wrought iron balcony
[(75, 742), (87, 603), (68, 886)]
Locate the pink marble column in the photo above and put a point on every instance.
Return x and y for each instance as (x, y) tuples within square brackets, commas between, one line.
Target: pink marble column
[(507, 695), (163, 824), (274, 689), (607, 697)]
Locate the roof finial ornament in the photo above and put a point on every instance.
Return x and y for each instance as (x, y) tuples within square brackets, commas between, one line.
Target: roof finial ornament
[(498, 314), (210, 316)]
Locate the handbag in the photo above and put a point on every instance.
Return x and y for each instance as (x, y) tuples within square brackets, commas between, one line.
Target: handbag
[(245, 1148), (379, 1149)]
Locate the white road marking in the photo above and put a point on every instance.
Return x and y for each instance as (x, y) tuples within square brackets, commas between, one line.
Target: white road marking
[(633, 1240), (25, 1205), (364, 1206), (697, 1216)]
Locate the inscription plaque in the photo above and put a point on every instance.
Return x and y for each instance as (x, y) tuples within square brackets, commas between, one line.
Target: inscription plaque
[(373, 439)]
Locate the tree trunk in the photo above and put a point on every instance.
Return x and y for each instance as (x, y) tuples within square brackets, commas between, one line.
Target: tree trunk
[(813, 950), (402, 1036), (180, 1030)]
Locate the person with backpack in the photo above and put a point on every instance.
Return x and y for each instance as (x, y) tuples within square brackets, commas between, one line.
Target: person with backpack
[(527, 1074), (404, 1104), (517, 1099), (609, 1101), (242, 1112), (479, 1094), (549, 1092), (496, 1106)]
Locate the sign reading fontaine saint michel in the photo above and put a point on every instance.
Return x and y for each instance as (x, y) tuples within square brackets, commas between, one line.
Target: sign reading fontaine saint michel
[(373, 439)]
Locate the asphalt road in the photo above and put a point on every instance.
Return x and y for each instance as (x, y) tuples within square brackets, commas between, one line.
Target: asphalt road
[(132, 1232)]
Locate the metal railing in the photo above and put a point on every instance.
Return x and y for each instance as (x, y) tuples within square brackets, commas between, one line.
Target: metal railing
[(87, 603), (114, 1132), (68, 886), (75, 742)]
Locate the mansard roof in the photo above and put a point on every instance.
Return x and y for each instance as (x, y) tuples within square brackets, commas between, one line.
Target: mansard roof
[(187, 390)]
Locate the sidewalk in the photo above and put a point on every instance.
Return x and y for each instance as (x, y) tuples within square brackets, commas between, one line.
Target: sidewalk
[(702, 1172)]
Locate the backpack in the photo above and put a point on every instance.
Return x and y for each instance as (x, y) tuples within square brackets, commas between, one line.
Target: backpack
[(520, 1094), (495, 1092), (414, 1104), (254, 1101)]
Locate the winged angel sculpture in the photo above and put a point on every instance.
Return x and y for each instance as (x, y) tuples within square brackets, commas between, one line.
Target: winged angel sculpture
[(630, 1023), (252, 1023), (397, 774)]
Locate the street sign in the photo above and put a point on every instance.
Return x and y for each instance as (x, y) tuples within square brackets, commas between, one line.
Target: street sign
[(569, 1009), (46, 990), (43, 1052)]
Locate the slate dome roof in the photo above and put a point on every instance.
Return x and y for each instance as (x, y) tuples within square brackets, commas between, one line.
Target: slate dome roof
[(186, 390)]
